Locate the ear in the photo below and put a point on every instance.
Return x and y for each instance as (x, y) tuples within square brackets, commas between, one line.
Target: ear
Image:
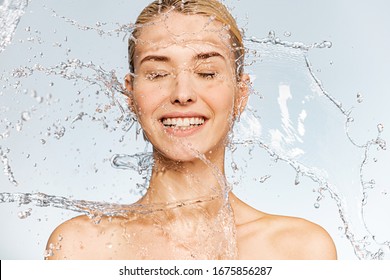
[(129, 80), (242, 94)]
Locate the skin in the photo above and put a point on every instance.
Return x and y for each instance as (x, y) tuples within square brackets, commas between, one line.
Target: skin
[(184, 67)]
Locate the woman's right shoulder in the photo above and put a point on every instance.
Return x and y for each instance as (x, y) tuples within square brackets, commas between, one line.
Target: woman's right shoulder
[(71, 226), (67, 236)]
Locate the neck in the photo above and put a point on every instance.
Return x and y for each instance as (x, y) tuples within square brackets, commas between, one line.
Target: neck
[(174, 181)]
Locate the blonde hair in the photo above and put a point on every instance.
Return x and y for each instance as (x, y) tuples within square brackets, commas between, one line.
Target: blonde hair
[(210, 8)]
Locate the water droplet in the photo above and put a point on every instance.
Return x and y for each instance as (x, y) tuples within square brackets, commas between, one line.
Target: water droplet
[(287, 34), (380, 127), (297, 179), (316, 205), (234, 166), (51, 84), (43, 141), (264, 178), (109, 245), (359, 97), (26, 116), (27, 29), (271, 34), (59, 132), (24, 214), (39, 99), (381, 143), (18, 126)]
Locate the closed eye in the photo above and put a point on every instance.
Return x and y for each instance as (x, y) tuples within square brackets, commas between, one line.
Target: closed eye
[(155, 75), (207, 75)]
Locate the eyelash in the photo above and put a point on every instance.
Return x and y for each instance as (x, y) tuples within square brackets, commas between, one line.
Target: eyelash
[(208, 75), (155, 76)]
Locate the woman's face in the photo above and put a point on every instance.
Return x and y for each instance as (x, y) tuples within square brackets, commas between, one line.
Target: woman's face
[(185, 91)]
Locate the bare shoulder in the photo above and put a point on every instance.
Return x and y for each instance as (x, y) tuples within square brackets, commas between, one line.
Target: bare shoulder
[(76, 239), (282, 237), (302, 239)]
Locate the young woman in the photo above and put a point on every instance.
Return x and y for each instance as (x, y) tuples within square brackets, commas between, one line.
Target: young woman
[(187, 87)]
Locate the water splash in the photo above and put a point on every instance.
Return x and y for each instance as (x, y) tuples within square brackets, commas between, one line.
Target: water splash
[(107, 81), (10, 14), (7, 167)]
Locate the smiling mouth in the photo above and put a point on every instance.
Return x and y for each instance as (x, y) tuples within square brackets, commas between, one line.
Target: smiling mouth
[(183, 123)]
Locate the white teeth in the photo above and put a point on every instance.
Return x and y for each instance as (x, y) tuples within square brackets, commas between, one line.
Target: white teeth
[(182, 122)]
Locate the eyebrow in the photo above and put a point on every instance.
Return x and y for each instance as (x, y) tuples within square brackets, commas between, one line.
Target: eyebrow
[(208, 55), (199, 56), (155, 58)]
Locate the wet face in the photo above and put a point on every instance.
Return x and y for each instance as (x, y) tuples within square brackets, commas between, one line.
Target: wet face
[(185, 91)]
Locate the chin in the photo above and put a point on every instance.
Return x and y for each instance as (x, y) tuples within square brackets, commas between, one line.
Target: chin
[(191, 154)]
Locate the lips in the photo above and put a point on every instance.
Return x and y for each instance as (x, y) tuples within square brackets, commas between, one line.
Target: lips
[(177, 123)]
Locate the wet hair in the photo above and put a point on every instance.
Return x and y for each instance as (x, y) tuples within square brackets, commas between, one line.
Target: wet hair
[(209, 8)]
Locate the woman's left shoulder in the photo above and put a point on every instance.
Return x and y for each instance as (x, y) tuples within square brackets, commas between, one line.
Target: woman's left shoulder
[(284, 238), (301, 238), (266, 236)]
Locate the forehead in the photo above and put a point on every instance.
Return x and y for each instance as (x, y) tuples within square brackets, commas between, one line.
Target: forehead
[(195, 31)]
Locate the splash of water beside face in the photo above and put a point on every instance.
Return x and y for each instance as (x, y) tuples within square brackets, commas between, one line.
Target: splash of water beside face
[(10, 14), (7, 167), (107, 81)]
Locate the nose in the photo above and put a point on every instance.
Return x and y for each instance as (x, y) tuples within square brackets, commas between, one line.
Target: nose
[(183, 92)]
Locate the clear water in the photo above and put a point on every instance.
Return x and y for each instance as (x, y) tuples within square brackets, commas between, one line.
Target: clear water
[(68, 140)]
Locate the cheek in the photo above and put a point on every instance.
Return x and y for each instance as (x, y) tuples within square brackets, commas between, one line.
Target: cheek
[(222, 102), (147, 100)]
